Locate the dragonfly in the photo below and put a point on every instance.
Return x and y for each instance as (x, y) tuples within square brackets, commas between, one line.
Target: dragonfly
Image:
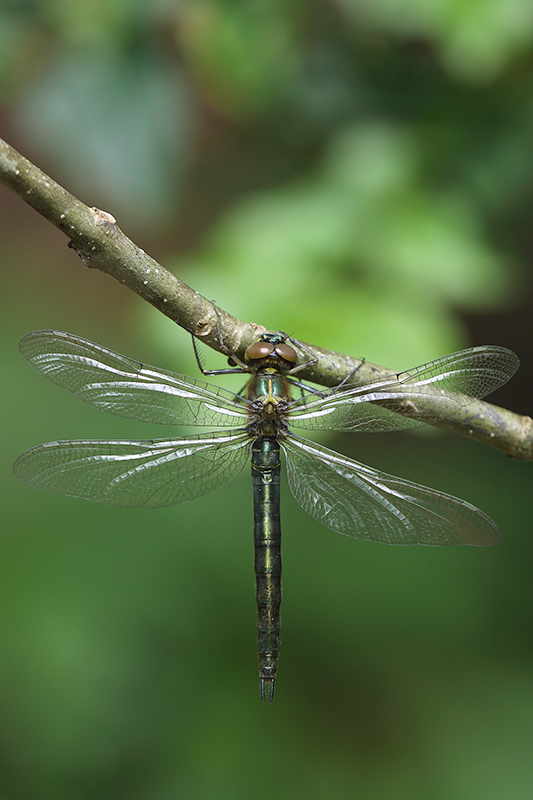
[(258, 424)]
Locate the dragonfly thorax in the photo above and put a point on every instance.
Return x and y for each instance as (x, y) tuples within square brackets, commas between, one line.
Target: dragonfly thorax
[(269, 394)]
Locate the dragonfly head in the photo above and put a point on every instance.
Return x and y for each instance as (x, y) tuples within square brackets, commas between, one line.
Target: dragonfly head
[(271, 349)]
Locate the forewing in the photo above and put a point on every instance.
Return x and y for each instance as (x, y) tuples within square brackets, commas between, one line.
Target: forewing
[(127, 388), (148, 474), (362, 502), (432, 392)]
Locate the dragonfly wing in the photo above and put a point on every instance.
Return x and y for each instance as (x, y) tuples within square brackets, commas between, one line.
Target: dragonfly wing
[(353, 413), (148, 474), (127, 388), (362, 502), (431, 392)]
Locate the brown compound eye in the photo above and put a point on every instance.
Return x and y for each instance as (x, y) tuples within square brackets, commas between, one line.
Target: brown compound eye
[(286, 352), (259, 350)]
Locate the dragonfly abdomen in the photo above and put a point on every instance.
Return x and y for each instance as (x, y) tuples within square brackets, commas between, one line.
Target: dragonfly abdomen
[(267, 540)]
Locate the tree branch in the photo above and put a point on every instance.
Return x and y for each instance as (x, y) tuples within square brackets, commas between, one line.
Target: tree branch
[(100, 244)]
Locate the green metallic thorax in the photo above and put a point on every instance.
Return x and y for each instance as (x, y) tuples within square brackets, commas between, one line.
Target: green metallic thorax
[(269, 390), (268, 384)]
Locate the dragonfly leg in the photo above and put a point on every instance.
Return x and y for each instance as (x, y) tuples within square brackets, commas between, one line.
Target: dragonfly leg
[(306, 389), (301, 346), (348, 377), (232, 358)]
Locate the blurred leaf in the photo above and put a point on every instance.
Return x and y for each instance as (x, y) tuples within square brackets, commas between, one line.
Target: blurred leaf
[(437, 245), (324, 90), (476, 39), (101, 23), (15, 42), (243, 53), (117, 126), (372, 160)]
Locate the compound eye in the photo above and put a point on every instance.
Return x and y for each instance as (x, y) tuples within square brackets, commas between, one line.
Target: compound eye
[(286, 352), (259, 350)]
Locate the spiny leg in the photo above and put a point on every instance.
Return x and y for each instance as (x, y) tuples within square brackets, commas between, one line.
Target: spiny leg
[(231, 356)]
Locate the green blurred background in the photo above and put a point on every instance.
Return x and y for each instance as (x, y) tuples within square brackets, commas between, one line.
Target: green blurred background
[(360, 174)]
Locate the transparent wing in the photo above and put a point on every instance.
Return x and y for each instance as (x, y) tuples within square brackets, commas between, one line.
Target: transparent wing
[(359, 501), (148, 474), (122, 386), (433, 391)]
